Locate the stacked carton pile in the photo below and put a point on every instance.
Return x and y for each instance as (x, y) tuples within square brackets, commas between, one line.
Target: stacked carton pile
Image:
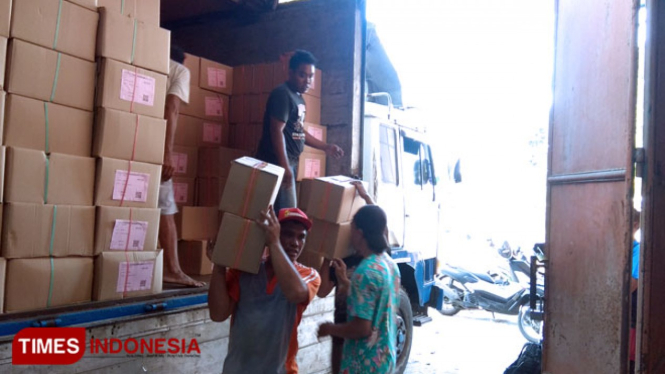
[(202, 160), (129, 145)]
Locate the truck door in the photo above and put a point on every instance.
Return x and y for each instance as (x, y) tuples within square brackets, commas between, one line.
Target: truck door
[(590, 187), (421, 214), (389, 182)]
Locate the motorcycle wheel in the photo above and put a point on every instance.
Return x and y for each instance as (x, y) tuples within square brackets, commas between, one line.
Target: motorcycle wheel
[(448, 309), (404, 332), (531, 329)]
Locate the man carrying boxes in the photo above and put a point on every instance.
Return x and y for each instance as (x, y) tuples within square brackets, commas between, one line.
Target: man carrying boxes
[(266, 307), (177, 92)]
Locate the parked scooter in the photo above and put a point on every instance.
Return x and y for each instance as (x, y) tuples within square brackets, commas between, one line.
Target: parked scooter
[(494, 292)]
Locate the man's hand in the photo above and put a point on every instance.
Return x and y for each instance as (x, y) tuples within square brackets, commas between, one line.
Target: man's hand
[(361, 189), (334, 151), (167, 167), (324, 329), (340, 272), (270, 225)]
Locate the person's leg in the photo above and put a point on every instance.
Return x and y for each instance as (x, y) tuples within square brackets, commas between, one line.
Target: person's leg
[(168, 238)]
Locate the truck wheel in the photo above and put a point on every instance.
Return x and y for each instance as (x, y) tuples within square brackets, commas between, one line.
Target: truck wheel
[(404, 332)]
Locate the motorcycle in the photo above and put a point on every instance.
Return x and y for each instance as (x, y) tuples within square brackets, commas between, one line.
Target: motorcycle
[(494, 292)]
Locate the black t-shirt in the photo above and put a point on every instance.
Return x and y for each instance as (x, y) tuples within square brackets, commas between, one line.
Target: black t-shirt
[(289, 107)]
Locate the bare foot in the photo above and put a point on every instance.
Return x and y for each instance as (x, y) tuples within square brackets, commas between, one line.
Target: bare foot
[(183, 279)]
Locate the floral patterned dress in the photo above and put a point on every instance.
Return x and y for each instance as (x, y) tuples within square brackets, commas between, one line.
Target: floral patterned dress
[(374, 296)]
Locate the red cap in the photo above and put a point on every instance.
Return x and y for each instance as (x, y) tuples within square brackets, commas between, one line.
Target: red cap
[(294, 214)]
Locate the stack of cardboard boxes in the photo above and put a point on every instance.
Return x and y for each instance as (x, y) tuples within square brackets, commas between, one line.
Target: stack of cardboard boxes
[(202, 160)]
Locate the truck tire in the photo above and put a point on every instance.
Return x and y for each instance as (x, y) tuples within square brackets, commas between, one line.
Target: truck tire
[(404, 332)]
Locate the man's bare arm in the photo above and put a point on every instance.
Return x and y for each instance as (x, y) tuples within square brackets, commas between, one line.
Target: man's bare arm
[(279, 146), (171, 112), (219, 302)]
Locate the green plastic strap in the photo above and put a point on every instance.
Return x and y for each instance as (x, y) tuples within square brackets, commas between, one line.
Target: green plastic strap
[(50, 253), (46, 127), (57, 26), (46, 181), (55, 79), (134, 42)]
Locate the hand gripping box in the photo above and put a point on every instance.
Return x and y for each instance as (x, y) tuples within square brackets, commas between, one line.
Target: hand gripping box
[(252, 185), (334, 199), (126, 229), (123, 274), (240, 244), (114, 188)]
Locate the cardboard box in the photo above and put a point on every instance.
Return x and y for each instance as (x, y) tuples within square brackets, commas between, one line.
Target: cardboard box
[(116, 131), (193, 259), (209, 191), (90, 4), (117, 89), (252, 185), (311, 259), (255, 114), (133, 42), (313, 109), (311, 166), (262, 78), (66, 130), (5, 17), (193, 63), (141, 191), (131, 229), (242, 79), (3, 157), (240, 244), (184, 190), (239, 111), (2, 113), (216, 162), (62, 26), (39, 283), (216, 77), (185, 161), (195, 132), (319, 132), (304, 193), (124, 274), (3, 276), (329, 240), (334, 199), (59, 179), (3, 58), (36, 230), (280, 73), (47, 75), (197, 223), (208, 105), (144, 10)]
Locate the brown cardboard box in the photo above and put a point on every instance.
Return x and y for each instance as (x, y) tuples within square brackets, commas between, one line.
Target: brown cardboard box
[(34, 71), (58, 179), (311, 259), (125, 274), (262, 79), (62, 26), (216, 162), (193, 63), (38, 283), (3, 58), (319, 132), (184, 190), (313, 111), (242, 79), (330, 240), (209, 191), (311, 166), (36, 230), (304, 194), (192, 257), (255, 114), (334, 199), (116, 131), (208, 105), (116, 89), (2, 113), (216, 77), (196, 132), (5, 17), (185, 161), (133, 42), (90, 4), (280, 73), (115, 225), (252, 185), (3, 157), (197, 223), (240, 244), (26, 126), (3, 276), (144, 10), (239, 111), (141, 191)]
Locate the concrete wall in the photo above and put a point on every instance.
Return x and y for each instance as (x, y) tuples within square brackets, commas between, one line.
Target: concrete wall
[(327, 28)]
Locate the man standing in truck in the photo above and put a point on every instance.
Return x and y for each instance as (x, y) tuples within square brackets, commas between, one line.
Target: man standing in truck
[(266, 307), (284, 135)]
